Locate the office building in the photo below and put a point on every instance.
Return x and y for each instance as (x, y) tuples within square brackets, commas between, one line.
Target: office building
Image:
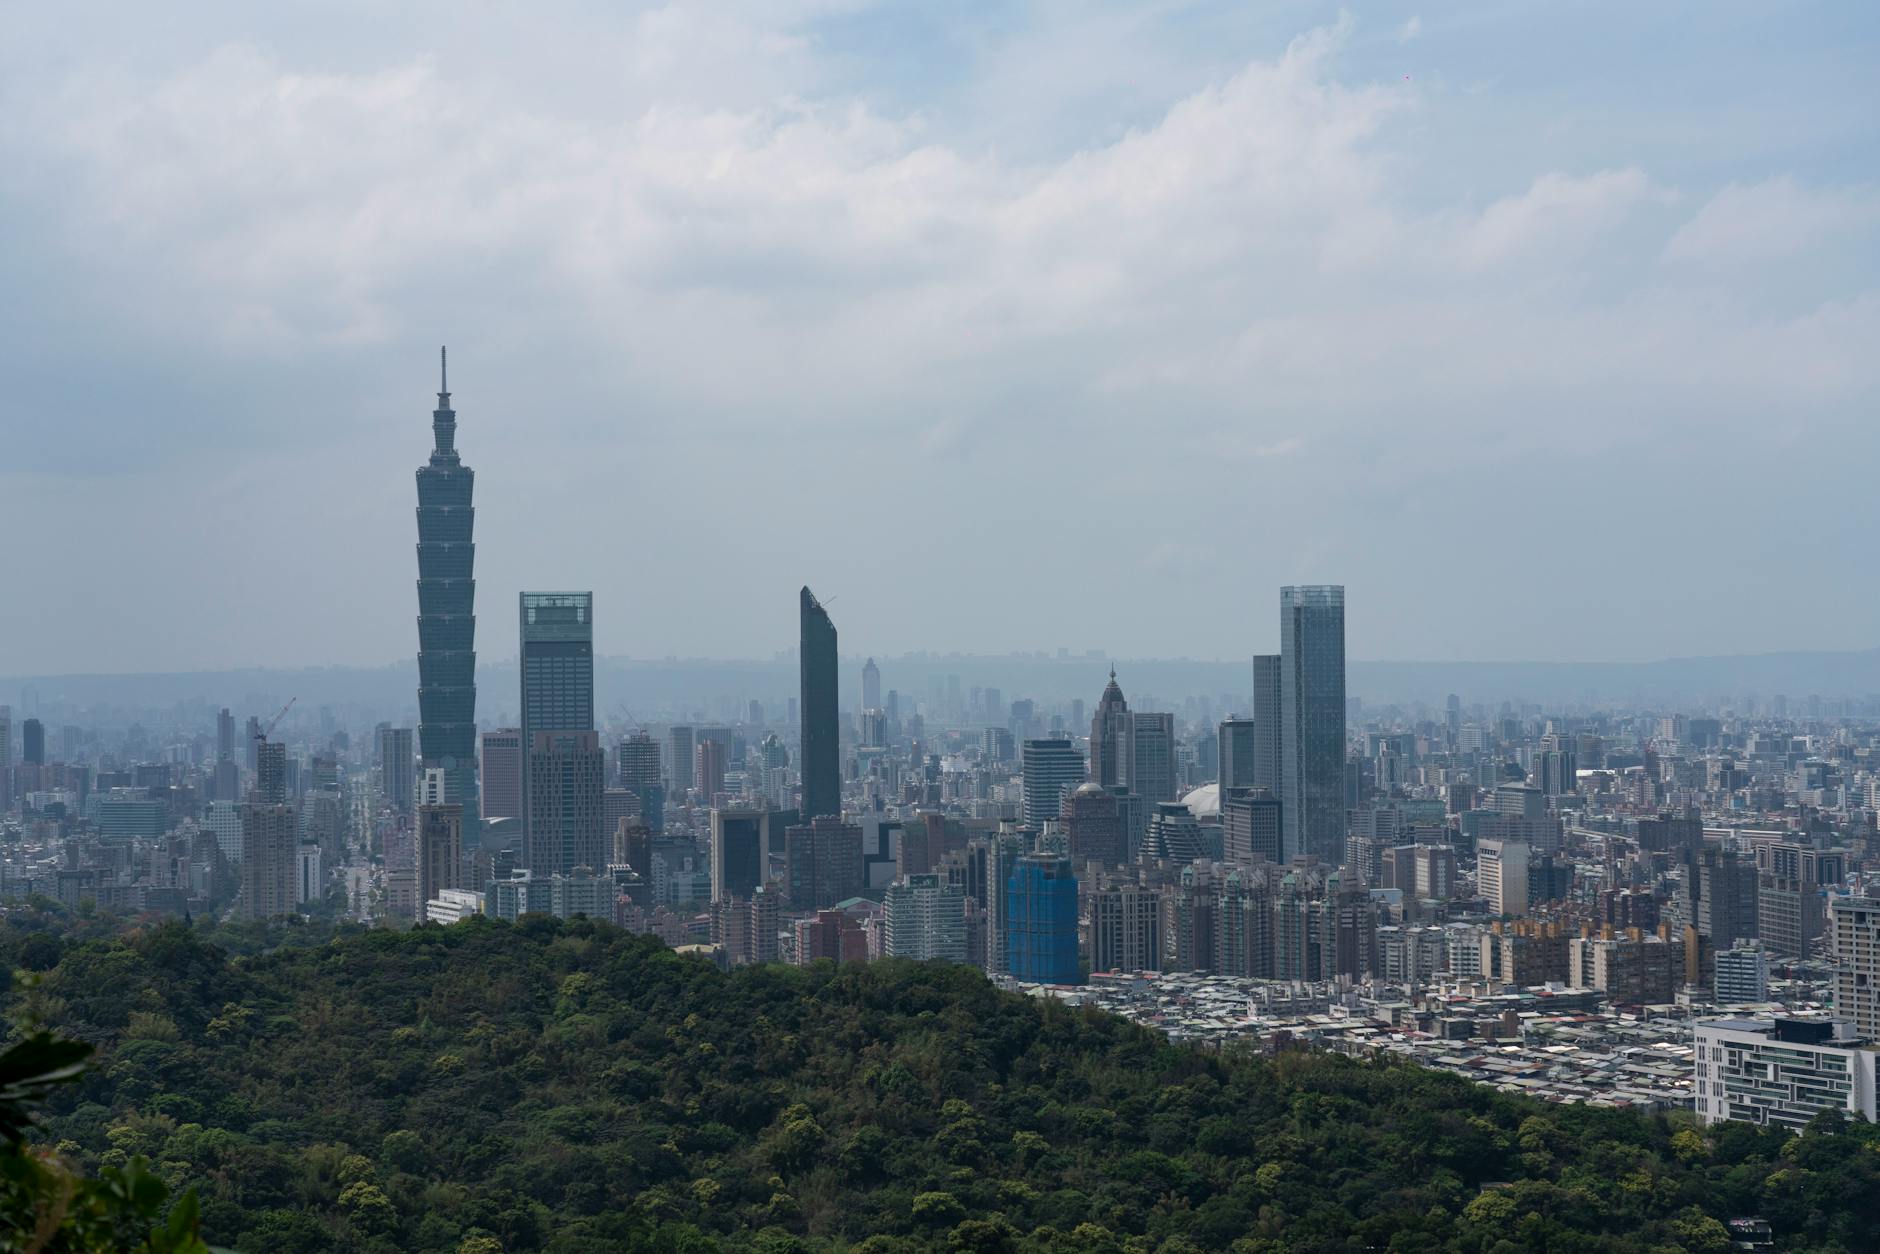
[(640, 775), (1093, 825), (564, 828), (1782, 1071), (834, 935), (224, 735), (1312, 721), (33, 742), (871, 686), (821, 755), (679, 752), (1791, 902), (555, 631), (739, 858), (1051, 768), (822, 862), (1266, 722), (398, 768), (924, 916), (1855, 933), (502, 773), (440, 851), (1501, 875), (1250, 825), (1240, 755), (447, 660), (1150, 757), (1041, 920), (708, 770), (1109, 737)]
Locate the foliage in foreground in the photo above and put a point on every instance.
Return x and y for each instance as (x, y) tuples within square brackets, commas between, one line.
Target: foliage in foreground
[(570, 1087)]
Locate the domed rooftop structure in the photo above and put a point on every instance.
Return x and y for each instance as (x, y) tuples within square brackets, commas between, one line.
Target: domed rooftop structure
[(1204, 802), (1087, 787)]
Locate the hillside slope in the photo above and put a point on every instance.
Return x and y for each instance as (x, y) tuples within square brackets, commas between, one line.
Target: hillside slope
[(567, 1086)]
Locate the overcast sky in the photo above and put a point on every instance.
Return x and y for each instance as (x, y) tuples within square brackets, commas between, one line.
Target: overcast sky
[(1553, 332)]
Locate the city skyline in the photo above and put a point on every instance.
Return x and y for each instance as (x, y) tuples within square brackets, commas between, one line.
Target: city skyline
[(1434, 295)]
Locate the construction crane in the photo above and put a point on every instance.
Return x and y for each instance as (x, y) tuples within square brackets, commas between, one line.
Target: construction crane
[(262, 733)]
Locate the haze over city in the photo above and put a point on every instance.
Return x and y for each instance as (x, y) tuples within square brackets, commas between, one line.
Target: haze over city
[(1549, 333)]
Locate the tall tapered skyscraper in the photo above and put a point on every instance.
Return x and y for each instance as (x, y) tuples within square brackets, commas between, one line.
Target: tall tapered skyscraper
[(821, 756), (447, 624), (1312, 720)]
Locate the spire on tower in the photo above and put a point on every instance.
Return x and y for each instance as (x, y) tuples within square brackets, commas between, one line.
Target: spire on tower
[(443, 377)]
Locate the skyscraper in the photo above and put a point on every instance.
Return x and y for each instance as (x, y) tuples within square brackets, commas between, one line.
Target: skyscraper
[(1240, 752), (739, 859), (1312, 720), (270, 841), (447, 625), (708, 771), (680, 740), (821, 754), (1266, 721), (224, 736), (1151, 757), (1109, 735), (397, 773), (565, 823), (639, 775), (556, 636), (33, 742), (440, 851), (1051, 768), (871, 685)]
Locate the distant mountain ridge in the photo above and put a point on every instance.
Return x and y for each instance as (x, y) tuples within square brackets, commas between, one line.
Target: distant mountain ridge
[(720, 688)]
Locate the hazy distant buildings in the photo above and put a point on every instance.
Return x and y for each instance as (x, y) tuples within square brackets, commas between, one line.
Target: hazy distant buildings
[(33, 742), (447, 660), (1312, 720), (680, 746), (640, 775), (820, 757), (871, 687)]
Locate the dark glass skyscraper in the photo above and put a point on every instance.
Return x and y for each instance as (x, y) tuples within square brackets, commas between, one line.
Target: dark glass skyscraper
[(447, 624), (1312, 720), (821, 754)]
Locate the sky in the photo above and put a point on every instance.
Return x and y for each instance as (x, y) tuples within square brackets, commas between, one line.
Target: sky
[(1552, 332)]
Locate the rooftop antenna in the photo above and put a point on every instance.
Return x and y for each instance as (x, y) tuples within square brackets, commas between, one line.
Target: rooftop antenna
[(443, 370)]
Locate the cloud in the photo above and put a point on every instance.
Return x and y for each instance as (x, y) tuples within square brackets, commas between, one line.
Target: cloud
[(1410, 29), (724, 262), (1769, 221)]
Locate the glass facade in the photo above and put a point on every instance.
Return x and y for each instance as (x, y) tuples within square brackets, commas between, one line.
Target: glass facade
[(821, 755), (1041, 920), (447, 660), (1312, 721)]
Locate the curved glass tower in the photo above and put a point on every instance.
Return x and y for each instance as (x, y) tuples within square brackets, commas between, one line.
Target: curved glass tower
[(447, 624)]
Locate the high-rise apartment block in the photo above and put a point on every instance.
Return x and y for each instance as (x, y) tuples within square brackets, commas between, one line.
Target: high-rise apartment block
[(924, 916)]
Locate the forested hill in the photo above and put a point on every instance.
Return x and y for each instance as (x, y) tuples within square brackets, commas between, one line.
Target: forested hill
[(567, 1086)]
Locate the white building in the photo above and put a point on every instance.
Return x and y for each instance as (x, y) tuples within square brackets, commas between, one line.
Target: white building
[(453, 905), (923, 916), (1782, 1071), (1742, 974), (1854, 930), (1501, 875)]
